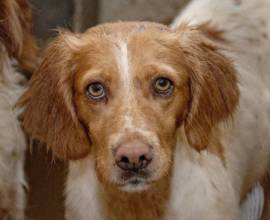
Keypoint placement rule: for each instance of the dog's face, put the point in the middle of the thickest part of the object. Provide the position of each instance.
(131, 97)
(122, 91)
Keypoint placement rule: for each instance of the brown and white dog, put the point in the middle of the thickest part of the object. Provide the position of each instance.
(159, 123)
(17, 58)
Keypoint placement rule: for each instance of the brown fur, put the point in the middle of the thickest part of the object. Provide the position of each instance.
(50, 105)
(150, 204)
(16, 32)
(212, 32)
(58, 112)
(16, 43)
(213, 86)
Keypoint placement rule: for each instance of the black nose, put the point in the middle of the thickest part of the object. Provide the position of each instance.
(133, 156)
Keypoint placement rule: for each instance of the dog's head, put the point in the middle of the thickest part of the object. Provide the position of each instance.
(16, 32)
(122, 92)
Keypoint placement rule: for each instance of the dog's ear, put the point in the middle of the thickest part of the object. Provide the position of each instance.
(28, 57)
(50, 115)
(16, 32)
(214, 91)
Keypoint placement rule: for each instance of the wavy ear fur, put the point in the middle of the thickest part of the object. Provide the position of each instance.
(213, 83)
(16, 32)
(50, 115)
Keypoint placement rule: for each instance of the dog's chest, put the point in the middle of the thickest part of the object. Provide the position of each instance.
(191, 195)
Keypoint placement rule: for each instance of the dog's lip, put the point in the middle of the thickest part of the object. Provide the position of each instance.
(133, 178)
(131, 175)
(134, 181)
(134, 185)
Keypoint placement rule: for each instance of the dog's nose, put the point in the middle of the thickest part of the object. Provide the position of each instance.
(133, 156)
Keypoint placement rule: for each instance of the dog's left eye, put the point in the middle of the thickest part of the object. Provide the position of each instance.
(163, 86)
(96, 91)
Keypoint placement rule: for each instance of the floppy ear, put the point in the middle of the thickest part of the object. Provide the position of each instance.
(213, 84)
(50, 115)
(16, 32)
(27, 58)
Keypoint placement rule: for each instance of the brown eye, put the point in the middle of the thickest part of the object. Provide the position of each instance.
(96, 91)
(163, 86)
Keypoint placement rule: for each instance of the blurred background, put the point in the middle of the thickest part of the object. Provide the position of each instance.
(46, 175)
(79, 15)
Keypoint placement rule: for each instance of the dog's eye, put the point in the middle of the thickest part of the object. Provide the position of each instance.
(163, 86)
(96, 91)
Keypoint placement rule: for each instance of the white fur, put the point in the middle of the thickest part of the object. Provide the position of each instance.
(123, 63)
(199, 186)
(126, 80)
(202, 187)
(252, 207)
(244, 27)
(12, 143)
(85, 184)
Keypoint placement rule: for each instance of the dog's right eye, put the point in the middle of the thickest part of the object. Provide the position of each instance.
(96, 91)
(163, 86)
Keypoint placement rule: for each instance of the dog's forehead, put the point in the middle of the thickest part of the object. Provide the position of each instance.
(127, 29)
(103, 43)
(132, 44)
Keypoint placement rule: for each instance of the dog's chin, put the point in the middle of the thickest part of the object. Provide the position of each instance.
(135, 185)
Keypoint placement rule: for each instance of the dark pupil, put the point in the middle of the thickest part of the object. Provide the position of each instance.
(96, 88)
(163, 82)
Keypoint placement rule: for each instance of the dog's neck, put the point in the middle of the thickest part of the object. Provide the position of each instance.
(193, 174)
(150, 204)
(101, 201)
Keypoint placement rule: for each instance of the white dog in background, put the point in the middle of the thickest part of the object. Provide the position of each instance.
(245, 27)
(17, 56)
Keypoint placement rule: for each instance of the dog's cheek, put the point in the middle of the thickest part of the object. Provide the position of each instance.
(103, 163)
(104, 159)
(164, 154)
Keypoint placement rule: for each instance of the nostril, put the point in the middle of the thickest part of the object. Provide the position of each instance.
(142, 158)
(124, 159)
(124, 163)
(144, 161)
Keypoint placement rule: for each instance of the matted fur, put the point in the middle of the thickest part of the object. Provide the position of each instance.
(17, 55)
(207, 136)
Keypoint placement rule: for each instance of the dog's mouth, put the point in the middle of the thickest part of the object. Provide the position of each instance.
(134, 181)
(135, 185)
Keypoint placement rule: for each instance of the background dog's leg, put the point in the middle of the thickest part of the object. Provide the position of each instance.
(252, 207)
(266, 211)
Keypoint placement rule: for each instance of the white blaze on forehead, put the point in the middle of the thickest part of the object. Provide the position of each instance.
(129, 98)
(122, 58)
(123, 61)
